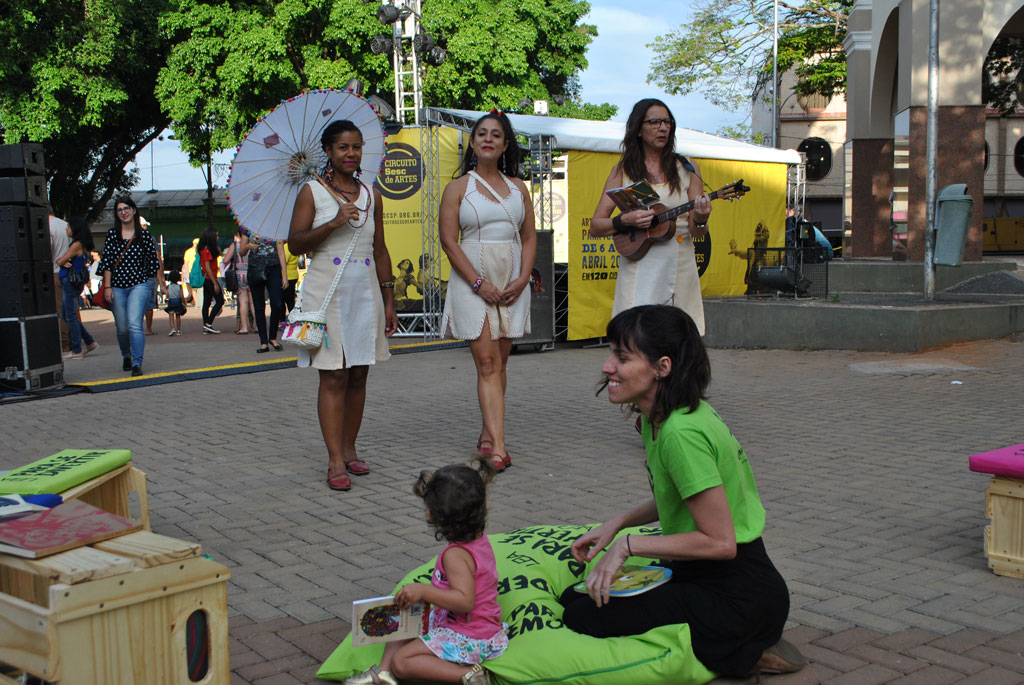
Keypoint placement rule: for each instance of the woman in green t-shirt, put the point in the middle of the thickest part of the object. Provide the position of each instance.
(723, 583)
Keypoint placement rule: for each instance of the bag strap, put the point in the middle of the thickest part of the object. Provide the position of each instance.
(123, 253)
(344, 260)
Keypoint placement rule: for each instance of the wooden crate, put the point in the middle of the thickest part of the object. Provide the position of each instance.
(112, 492)
(113, 613)
(1004, 538)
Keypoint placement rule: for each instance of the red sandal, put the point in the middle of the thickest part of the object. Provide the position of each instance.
(339, 482)
(357, 467)
(486, 451)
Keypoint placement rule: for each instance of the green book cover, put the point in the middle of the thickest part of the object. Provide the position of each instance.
(58, 472)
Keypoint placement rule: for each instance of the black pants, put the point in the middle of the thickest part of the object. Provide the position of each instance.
(259, 304)
(736, 609)
(211, 295)
(289, 295)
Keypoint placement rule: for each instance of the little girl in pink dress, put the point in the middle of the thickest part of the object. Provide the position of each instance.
(465, 622)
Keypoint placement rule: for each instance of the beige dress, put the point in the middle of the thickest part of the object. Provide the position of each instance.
(355, 314)
(667, 274)
(493, 246)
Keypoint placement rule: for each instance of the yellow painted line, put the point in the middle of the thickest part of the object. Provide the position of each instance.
(205, 369)
(243, 365)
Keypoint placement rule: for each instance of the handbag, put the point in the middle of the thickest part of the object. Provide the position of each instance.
(196, 277)
(78, 278)
(100, 298)
(231, 280)
(257, 274)
(305, 330)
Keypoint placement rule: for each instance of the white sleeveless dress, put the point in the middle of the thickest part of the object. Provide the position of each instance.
(493, 246)
(355, 314)
(667, 274)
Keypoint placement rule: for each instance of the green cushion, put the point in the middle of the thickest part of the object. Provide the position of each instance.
(56, 473)
(534, 568)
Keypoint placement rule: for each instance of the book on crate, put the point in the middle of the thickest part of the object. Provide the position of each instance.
(379, 619)
(633, 580)
(66, 526)
(15, 506)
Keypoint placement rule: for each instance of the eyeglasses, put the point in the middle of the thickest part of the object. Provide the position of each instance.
(657, 123)
(123, 209)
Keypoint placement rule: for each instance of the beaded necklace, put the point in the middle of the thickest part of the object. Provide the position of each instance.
(329, 177)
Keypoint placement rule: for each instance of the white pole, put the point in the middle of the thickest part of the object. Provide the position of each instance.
(931, 139)
(775, 78)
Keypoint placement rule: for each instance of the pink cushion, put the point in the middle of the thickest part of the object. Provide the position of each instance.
(1005, 461)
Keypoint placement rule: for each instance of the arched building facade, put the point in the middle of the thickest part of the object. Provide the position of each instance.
(887, 94)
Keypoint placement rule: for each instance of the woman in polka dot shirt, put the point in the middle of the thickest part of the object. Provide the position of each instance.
(130, 268)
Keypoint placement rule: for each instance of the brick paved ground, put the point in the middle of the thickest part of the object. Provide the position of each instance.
(861, 459)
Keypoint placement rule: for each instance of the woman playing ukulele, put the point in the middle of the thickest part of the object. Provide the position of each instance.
(667, 274)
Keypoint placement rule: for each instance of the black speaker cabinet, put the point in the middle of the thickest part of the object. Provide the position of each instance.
(24, 234)
(24, 159)
(27, 289)
(23, 190)
(30, 355)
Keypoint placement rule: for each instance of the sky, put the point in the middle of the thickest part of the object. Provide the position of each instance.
(619, 61)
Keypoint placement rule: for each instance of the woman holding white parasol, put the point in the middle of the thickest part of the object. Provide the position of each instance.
(337, 216)
(362, 308)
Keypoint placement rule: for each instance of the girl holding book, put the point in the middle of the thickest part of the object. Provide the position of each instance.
(723, 583)
(465, 621)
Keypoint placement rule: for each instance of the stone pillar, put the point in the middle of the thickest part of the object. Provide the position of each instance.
(872, 160)
(960, 159)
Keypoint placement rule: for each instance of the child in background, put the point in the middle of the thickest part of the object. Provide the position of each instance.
(465, 621)
(175, 302)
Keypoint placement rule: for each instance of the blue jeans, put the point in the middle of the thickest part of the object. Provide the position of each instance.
(129, 306)
(69, 312)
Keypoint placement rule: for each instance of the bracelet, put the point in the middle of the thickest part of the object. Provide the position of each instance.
(617, 224)
(628, 548)
(387, 284)
(700, 224)
(477, 283)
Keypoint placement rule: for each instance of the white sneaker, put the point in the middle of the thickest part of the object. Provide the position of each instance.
(207, 328)
(172, 333)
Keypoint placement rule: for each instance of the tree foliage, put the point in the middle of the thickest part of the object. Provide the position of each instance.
(1001, 72)
(725, 49)
(78, 77)
(231, 61)
(97, 80)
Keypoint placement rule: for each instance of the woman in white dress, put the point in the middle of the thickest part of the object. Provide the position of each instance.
(667, 274)
(362, 310)
(487, 230)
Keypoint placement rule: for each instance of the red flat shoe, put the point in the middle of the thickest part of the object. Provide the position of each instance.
(357, 467)
(486, 451)
(507, 461)
(339, 482)
(498, 463)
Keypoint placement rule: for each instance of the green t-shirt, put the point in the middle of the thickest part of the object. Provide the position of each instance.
(694, 452)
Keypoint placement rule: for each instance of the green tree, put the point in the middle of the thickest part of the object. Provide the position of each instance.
(231, 61)
(78, 77)
(725, 49)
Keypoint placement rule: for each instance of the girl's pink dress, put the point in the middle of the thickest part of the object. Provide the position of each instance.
(480, 634)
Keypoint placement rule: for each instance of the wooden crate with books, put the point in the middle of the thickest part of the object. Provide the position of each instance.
(131, 609)
(103, 478)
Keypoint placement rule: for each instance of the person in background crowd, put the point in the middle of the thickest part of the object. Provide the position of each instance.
(59, 243)
(175, 303)
(213, 293)
(269, 253)
(244, 320)
(130, 267)
(76, 258)
(292, 264)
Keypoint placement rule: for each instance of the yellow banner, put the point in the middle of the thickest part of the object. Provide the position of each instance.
(721, 255)
(400, 183)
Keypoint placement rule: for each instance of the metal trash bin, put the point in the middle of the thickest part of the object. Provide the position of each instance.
(953, 209)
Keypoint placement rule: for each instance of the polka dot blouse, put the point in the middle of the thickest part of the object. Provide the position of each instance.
(139, 263)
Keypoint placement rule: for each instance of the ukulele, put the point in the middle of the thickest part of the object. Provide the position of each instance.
(633, 243)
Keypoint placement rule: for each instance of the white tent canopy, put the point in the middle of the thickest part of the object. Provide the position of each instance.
(606, 136)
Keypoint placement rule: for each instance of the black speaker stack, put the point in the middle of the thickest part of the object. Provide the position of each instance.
(30, 351)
